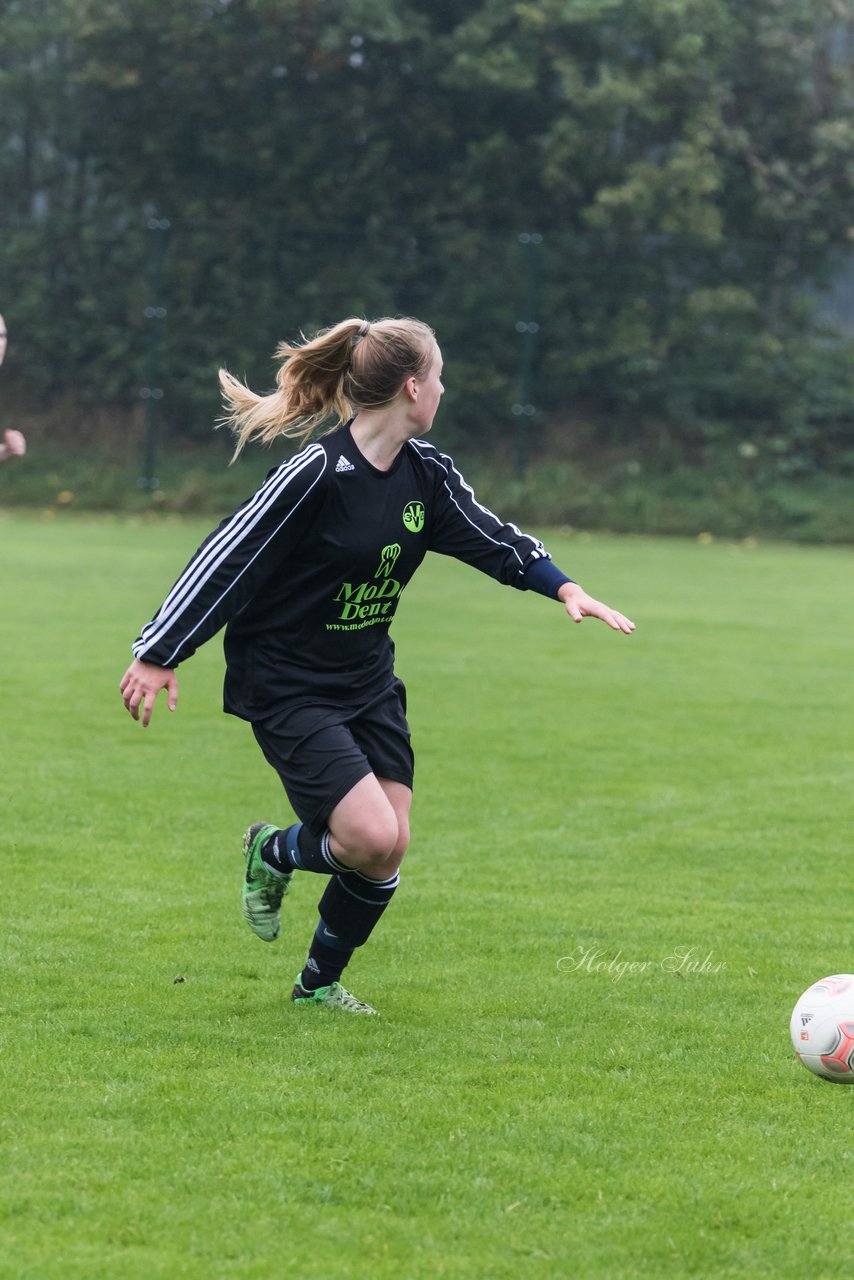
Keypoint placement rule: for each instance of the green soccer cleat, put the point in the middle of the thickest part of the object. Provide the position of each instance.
(263, 890)
(332, 997)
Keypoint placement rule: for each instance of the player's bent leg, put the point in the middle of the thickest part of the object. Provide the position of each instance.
(355, 899)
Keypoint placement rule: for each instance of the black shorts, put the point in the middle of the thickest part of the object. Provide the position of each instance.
(322, 750)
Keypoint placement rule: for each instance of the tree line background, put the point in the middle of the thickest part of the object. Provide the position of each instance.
(629, 221)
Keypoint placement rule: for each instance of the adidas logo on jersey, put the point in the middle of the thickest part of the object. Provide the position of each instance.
(343, 465)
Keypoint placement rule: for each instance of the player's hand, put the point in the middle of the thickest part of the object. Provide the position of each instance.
(141, 684)
(579, 605)
(14, 445)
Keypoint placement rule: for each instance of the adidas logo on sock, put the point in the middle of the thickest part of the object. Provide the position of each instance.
(343, 465)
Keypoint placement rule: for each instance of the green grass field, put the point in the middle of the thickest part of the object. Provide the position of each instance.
(679, 801)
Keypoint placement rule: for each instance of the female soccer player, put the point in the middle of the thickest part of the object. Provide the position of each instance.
(306, 576)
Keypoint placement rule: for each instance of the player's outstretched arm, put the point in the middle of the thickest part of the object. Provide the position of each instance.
(141, 684)
(579, 605)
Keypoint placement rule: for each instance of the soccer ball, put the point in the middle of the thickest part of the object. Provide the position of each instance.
(822, 1028)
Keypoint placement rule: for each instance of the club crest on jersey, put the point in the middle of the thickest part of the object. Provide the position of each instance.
(413, 516)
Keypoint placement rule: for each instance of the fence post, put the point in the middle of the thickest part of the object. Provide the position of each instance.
(527, 328)
(155, 314)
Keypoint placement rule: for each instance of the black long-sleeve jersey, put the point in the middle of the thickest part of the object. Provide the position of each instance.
(307, 574)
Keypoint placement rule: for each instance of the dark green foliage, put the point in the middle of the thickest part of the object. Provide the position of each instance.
(689, 165)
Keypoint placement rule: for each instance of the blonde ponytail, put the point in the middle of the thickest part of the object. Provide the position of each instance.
(354, 365)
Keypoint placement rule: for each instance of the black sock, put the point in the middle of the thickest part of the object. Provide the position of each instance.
(298, 849)
(350, 908)
(327, 959)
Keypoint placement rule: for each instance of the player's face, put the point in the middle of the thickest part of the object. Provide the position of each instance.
(430, 392)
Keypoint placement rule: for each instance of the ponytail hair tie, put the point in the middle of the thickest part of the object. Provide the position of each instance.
(361, 332)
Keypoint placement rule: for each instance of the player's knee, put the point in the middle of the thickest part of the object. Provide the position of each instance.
(381, 868)
(375, 839)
